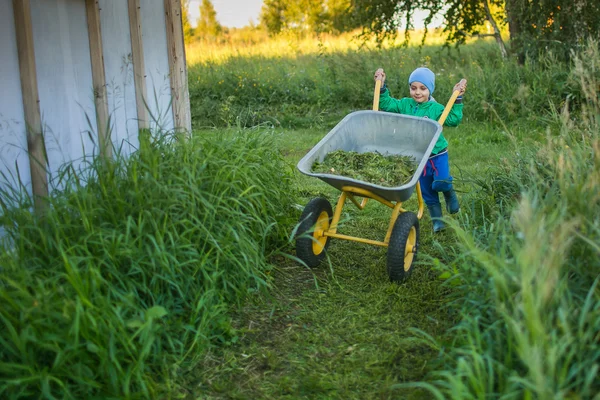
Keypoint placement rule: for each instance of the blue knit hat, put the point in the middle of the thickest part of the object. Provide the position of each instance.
(425, 76)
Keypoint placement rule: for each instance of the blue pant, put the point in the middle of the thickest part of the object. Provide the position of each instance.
(436, 178)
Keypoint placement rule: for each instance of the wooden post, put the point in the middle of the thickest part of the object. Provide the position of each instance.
(31, 103)
(177, 66)
(98, 77)
(137, 58)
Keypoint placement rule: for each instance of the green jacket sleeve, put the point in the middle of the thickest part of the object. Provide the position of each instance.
(455, 116)
(390, 104)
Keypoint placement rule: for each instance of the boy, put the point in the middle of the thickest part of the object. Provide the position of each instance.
(436, 176)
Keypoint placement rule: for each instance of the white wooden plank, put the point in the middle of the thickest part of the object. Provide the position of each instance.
(64, 73)
(157, 64)
(13, 135)
(118, 63)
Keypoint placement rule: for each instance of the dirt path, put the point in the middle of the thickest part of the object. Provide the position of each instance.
(340, 331)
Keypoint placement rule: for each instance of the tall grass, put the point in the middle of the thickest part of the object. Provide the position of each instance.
(308, 86)
(129, 276)
(251, 43)
(528, 281)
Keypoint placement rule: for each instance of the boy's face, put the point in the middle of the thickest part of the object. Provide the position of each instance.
(419, 92)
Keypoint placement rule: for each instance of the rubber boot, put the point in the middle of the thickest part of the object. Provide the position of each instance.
(435, 210)
(452, 205)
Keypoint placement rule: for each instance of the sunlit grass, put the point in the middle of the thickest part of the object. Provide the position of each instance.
(294, 45)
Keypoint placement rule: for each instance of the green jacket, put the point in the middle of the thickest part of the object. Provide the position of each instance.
(430, 109)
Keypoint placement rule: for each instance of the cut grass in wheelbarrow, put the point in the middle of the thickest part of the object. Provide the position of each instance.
(371, 167)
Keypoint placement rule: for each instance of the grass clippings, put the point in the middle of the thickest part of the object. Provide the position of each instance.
(371, 167)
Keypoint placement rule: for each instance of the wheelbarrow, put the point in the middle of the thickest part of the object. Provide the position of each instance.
(387, 134)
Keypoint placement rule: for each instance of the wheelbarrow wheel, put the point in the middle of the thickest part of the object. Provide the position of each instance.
(311, 243)
(403, 246)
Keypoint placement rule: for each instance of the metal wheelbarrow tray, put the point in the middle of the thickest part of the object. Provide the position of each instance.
(383, 132)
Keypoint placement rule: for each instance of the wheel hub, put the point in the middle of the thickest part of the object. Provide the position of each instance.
(410, 249)
(319, 237)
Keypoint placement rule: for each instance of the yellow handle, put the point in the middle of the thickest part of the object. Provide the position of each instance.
(449, 106)
(376, 95)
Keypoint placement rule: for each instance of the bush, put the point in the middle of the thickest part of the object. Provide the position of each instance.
(130, 274)
(528, 284)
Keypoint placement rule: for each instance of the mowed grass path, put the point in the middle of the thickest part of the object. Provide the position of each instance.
(342, 330)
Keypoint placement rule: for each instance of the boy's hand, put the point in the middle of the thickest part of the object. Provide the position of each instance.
(461, 87)
(380, 75)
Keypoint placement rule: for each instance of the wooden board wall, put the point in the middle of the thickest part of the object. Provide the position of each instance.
(78, 69)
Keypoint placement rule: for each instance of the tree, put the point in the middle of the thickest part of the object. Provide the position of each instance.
(208, 26)
(338, 14)
(466, 18)
(306, 15)
(272, 16)
(534, 26)
(558, 25)
(463, 18)
(188, 31)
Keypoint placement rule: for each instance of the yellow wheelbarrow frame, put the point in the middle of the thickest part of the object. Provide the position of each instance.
(326, 226)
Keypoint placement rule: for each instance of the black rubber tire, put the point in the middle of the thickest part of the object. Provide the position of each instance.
(304, 240)
(397, 245)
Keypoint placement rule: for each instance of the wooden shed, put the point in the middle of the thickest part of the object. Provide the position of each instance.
(80, 78)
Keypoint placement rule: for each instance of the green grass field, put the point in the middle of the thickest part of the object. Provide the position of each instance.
(173, 274)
